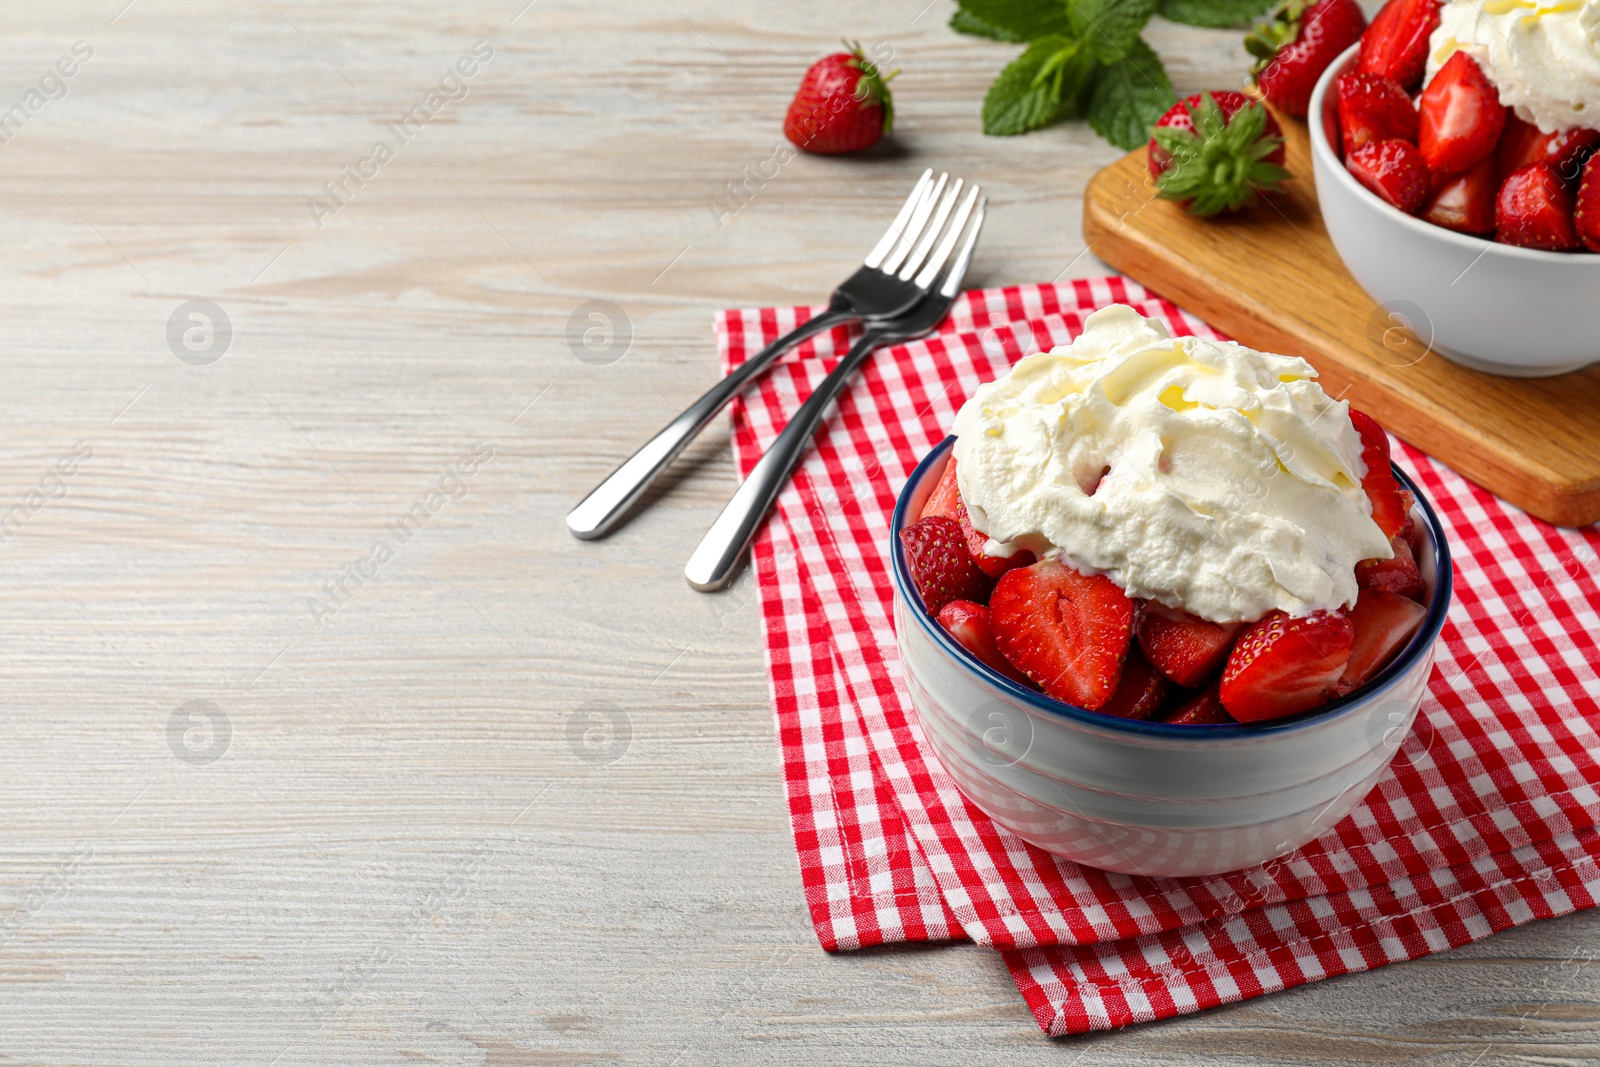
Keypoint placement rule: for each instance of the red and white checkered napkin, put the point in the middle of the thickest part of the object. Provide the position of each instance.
(1484, 821)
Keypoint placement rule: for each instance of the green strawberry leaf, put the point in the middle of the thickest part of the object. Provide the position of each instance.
(1129, 95)
(1023, 20)
(1216, 14)
(1029, 93)
(964, 21)
(1109, 26)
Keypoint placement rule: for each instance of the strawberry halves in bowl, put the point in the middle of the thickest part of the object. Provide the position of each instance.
(1118, 763)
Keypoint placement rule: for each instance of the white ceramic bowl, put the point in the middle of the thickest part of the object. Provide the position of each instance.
(1144, 797)
(1519, 312)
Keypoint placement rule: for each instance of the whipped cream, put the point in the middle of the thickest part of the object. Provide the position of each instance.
(1205, 475)
(1543, 55)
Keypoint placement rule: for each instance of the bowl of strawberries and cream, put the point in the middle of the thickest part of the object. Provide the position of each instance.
(1454, 152)
(1163, 606)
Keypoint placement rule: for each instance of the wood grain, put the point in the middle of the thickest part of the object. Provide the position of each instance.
(404, 853)
(1271, 279)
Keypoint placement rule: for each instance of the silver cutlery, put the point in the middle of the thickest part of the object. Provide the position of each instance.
(881, 288)
(716, 559)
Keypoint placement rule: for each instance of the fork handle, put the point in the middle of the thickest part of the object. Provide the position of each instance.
(713, 564)
(599, 512)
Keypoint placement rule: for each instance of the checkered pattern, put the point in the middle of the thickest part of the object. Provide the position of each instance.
(1482, 822)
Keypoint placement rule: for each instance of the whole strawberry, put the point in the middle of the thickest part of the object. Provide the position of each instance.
(842, 105)
(1216, 152)
(1297, 44)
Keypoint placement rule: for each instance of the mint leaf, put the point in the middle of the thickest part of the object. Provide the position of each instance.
(1109, 26)
(1129, 95)
(1217, 14)
(1023, 20)
(1074, 74)
(964, 21)
(1029, 92)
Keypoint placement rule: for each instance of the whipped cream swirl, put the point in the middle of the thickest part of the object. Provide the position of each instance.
(1542, 55)
(1205, 475)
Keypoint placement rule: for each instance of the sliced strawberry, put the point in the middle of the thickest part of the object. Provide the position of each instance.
(945, 501)
(1396, 44)
(1383, 623)
(1568, 150)
(1184, 647)
(1586, 214)
(940, 565)
(1465, 202)
(993, 566)
(1517, 144)
(1216, 152)
(1374, 441)
(968, 623)
(946, 495)
(1394, 170)
(1141, 692)
(1297, 44)
(1460, 118)
(1398, 574)
(1391, 505)
(1374, 108)
(1281, 666)
(1067, 631)
(1411, 534)
(1534, 210)
(1524, 144)
(1203, 708)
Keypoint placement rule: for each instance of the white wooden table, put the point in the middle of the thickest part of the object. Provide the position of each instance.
(274, 794)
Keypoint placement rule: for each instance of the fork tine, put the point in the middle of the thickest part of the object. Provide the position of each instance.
(919, 219)
(936, 262)
(931, 232)
(958, 269)
(898, 226)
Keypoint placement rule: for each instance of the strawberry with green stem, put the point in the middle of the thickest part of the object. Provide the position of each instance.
(1216, 153)
(1297, 44)
(843, 105)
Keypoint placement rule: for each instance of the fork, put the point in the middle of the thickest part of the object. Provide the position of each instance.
(714, 562)
(881, 288)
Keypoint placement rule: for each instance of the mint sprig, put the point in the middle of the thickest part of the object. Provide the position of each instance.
(1085, 58)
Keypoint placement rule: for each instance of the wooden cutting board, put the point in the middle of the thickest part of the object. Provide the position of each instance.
(1271, 279)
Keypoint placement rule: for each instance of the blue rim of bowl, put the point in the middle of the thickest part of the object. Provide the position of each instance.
(1469, 241)
(1419, 645)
